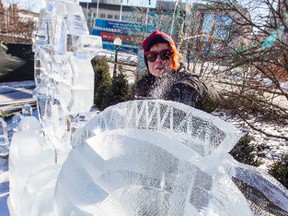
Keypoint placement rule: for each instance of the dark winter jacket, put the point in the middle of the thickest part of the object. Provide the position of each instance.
(180, 86)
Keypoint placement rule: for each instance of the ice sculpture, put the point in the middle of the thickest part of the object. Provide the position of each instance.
(64, 90)
(27, 110)
(158, 158)
(4, 142)
(27, 158)
(147, 157)
(63, 50)
(63, 73)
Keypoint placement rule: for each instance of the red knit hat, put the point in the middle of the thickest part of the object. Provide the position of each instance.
(156, 37)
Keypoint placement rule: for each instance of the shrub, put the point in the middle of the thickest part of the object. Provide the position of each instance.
(118, 92)
(245, 153)
(103, 80)
(279, 170)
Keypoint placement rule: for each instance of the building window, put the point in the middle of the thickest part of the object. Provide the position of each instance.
(110, 16)
(124, 17)
(103, 16)
(220, 23)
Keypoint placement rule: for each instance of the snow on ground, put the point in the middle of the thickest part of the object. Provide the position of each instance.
(272, 148)
(6, 87)
(284, 85)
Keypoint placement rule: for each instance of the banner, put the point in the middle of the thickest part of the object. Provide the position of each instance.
(131, 34)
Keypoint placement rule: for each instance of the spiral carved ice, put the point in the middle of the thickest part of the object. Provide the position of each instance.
(156, 157)
(143, 157)
(150, 158)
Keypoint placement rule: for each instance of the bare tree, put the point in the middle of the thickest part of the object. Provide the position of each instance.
(16, 26)
(252, 62)
(241, 46)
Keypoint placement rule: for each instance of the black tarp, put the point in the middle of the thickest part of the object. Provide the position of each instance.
(16, 62)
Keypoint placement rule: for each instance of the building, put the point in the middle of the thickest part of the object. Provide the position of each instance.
(197, 28)
(16, 26)
(133, 23)
(214, 29)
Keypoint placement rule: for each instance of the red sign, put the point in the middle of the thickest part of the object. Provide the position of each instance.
(124, 38)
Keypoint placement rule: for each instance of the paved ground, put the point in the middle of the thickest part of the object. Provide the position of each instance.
(13, 101)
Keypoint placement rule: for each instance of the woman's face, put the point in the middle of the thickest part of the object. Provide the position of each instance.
(160, 67)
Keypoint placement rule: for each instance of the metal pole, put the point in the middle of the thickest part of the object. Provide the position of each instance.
(121, 7)
(97, 9)
(173, 17)
(87, 10)
(115, 61)
(146, 20)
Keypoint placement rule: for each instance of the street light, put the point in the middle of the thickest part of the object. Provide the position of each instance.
(117, 43)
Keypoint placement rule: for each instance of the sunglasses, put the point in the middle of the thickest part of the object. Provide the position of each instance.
(164, 55)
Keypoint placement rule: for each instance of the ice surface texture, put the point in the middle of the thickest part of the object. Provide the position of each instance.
(63, 49)
(27, 161)
(150, 157)
(64, 75)
(4, 141)
(64, 80)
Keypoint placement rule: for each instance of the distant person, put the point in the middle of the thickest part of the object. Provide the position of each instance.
(168, 79)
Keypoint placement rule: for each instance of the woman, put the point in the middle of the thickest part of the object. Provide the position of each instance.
(167, 79)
